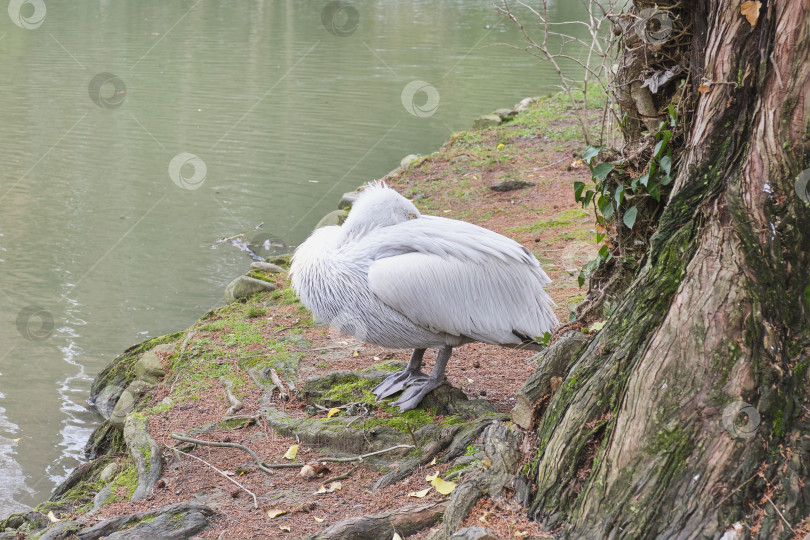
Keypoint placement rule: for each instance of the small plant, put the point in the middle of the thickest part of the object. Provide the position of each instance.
(254, 311)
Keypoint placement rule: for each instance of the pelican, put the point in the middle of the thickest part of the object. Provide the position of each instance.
(392, 277)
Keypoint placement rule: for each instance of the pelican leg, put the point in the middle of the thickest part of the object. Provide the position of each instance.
(396, 382)
(416, 391)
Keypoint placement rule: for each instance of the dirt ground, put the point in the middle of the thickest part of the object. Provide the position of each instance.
(453, 183)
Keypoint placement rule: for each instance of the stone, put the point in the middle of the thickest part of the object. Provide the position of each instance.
(525, 104)
(511, 185)
(126, 404)
(348, 198)
(266, 267)
(108, 472)
(145, 453)
(335, 217)
(244, 287)
(409, 161)
(505, 114)
(473, 533)
(149, 368)
(487, 121)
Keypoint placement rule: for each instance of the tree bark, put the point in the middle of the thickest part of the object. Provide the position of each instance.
(635, 443)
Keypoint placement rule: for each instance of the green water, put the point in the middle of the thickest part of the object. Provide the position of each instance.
(282, 114)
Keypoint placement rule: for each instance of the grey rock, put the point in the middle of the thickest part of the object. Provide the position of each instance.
(486, 121)
(126, 403)
(108, 472)
(145, 453)
(335, 217)
(106, 400)
(505, 114)
(149, 368)
(266, 267)
(100, 498)
(511, 185)
(62, 530)
(525, 103)
(348, 198)
(409, 161)
(176, 521)
(244, 286)
(473, 533)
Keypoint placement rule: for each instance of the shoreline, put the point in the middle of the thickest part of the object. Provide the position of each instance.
(242, 354)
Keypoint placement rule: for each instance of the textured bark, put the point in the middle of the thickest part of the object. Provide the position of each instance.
(719, 314)
(403, 521)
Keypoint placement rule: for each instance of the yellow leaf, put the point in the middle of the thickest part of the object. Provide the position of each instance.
(334, 486)
(442, 486)
(284, 528)
(521, 534)
(273, 513)
(17, 440)
(751, 12)
(703, 88)
(318, 520)
(396, 537)
(292, 452)
(419, 494)
(431, 477)
(483, 518)
(433, 462)
(501, 145)
(355, 353)
(376, 358)
(52, 517)
(332, 412)
(486, 463)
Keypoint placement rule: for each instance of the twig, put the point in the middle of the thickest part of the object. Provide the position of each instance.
(256, 228)
(243, 488)
(413, 437)
(180, 356)
(282, 391)
(780, 514)
(255, 457)
(236, 405)
(343, 476)
(344, 406)
(364, 456)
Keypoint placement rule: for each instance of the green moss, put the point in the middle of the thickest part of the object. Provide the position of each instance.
(261, 276)
(356, 389)
(126, 480)
(414, 419)
(453, 420)
(390, 365)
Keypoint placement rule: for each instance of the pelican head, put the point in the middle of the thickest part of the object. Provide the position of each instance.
(378, 206)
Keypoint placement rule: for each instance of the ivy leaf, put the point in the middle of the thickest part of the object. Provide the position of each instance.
(629, 217)
(602, 170)
(655, 191)
(665, 164)
(644, 179)
(590, 153)
(578, 187)
(666, 180)
(588, 196)
(606, 207)
(619, 195)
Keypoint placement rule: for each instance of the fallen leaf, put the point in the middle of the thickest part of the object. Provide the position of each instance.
(521, 534)
(16, 440)
(576, 164)
(433, 462)
(318, 520)
(703, 88)
(291, 452)
(555, 383)
(396, 537)
(332, 412)
(431, 477)
(334, 486)
(484, 517)
(595, 327)
(486, 463)
(442, 486)
(419, 494)
(751, 11)
(355, 353)
(284, 528)
(376, 358)
(53, 518)
(501, 145)
(273, 513)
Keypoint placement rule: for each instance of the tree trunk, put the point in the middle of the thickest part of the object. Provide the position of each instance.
(688, 412)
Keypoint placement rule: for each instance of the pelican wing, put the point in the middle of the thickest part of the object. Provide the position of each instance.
(457, 278)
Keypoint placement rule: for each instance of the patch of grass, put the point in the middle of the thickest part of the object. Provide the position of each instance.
(254, 311)
(125, 481)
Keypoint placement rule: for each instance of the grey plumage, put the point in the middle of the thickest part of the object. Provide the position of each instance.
(394, 278)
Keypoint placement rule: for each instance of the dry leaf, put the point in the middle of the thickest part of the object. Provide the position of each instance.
(484, 517)
(521, 534)
(313, 469)
(442, 486)
(703, 88)
(355, 353)
(291, 452)
(53, 518)
(273, 513)
(332, 412)
(751, 11)
(16, 440)
(431, 477)
(318, 520)
(284, 528)
(376, 358)
(486, 463)
(396, 537)
(433, 462)
(419, 494)
(555, 383)
(334, 486)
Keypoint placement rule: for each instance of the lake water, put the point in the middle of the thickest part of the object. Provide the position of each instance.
(136, 134)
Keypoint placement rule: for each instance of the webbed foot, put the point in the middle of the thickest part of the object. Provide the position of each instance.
(414, 394)
(396, 382)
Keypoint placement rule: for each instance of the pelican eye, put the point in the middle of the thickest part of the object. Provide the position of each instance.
(412, 216)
